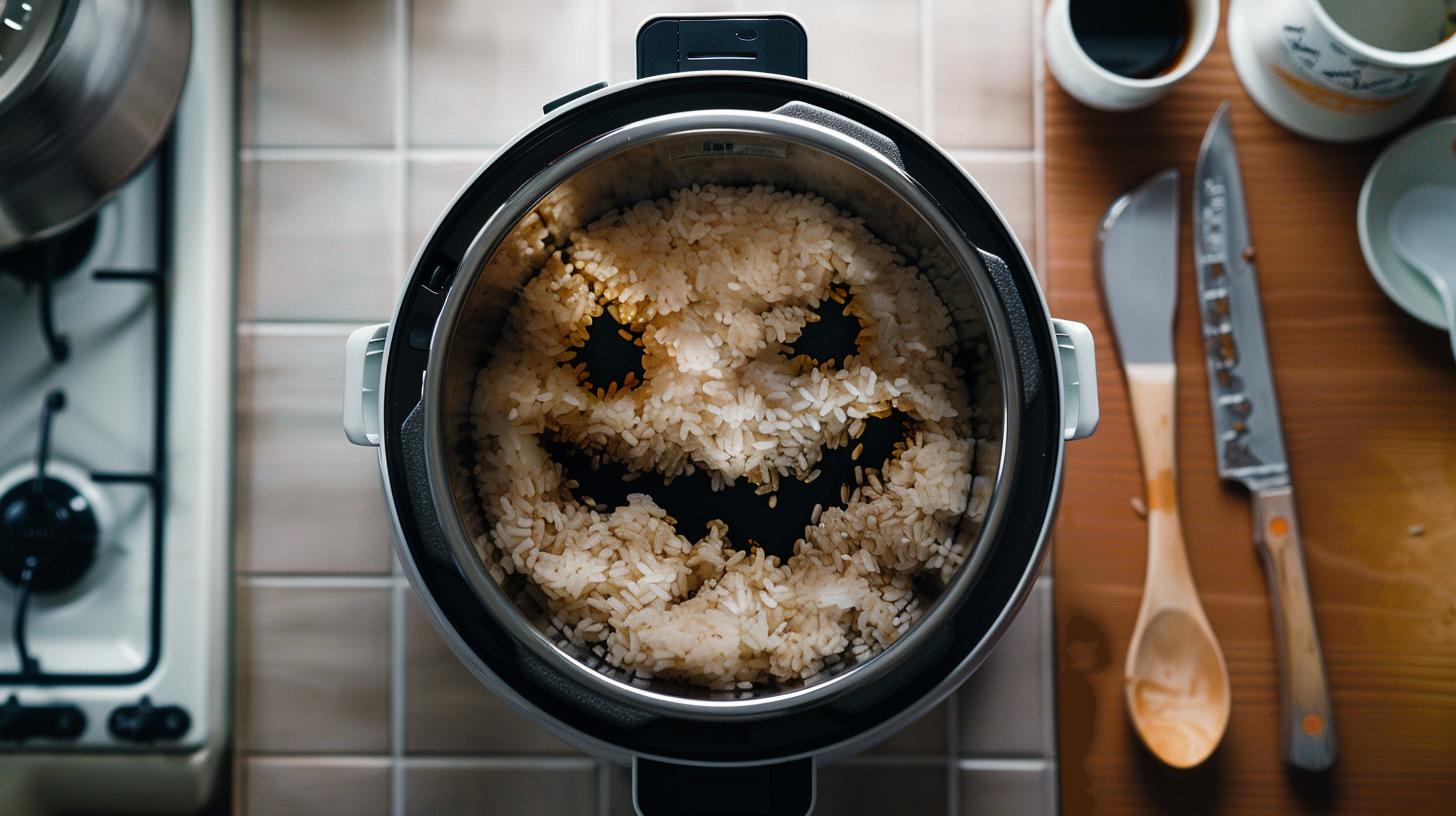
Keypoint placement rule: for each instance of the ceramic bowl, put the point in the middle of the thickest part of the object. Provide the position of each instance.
(1425, 155)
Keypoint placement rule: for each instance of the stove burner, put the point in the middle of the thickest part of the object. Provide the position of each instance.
(48, 531)
(46, 261)
(55, 257)
(52, 532)
(48, 534)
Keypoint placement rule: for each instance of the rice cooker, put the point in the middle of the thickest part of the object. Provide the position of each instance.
(718, 101)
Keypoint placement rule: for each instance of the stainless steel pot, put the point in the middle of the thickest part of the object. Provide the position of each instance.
(796, 147)
(409, 385)
(88, 89)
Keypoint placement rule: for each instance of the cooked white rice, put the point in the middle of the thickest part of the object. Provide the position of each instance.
(718, 281)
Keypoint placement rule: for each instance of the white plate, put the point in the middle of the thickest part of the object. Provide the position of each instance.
(1425, 155)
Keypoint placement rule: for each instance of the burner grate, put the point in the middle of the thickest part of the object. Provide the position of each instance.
(153, 480)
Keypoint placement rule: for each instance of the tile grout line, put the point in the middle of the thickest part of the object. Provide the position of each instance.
(402, 250)
(298, 581)
(1038, 130)
(1004, 764)
(604, 42)
(1007, 155)
(480, 154)
(927, 68)
(1049, 694)
(301, 328)
(501, 762)
(953, 751)
(1048, 666)
(439, 761)
(397, 624)
(604, 788)
(1039, 205)
(241, 602)
(340, 153)
(398, 633)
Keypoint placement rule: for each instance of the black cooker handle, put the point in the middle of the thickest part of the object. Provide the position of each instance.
(669, 789)
(774, 44)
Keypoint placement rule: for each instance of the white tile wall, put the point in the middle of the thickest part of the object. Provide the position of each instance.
(293, 463)
(321, 73)
(481, 69)
(320, 244)
(361, 119)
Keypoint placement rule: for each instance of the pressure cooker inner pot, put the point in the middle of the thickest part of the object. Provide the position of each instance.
(542, 467)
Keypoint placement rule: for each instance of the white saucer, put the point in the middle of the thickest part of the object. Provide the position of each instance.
(1425, 155)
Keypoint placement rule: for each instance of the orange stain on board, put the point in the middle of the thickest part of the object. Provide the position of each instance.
(1163, 491)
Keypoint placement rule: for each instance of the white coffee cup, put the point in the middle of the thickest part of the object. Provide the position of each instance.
(1093, 85)
(1341, 70)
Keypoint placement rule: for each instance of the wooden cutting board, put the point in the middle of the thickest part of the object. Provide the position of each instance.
(1368, 396)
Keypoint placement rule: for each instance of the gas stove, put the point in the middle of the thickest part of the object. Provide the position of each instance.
(115, 474)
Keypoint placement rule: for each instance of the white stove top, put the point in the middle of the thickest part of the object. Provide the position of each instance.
(99, 648)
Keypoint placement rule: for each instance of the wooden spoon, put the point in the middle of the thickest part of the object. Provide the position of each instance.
(1176, 681)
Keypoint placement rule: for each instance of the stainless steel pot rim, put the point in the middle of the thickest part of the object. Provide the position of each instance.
(96, 100)
(718, 123)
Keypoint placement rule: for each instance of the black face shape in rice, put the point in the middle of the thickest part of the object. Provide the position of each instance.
(832, 333)
(692, 503)
(612, 354)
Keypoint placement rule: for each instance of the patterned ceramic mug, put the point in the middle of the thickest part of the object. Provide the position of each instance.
(1342, 70)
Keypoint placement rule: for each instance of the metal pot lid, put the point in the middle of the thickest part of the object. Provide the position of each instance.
(28, 31)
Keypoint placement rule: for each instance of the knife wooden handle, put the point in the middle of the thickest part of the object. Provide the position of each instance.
(1308, 729)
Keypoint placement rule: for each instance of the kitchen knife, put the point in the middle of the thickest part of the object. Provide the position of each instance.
(1249, 439)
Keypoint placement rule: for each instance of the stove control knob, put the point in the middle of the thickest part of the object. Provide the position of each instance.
(21, 722)
(145, 722)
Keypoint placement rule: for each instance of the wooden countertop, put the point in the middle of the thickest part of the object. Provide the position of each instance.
(1368, 396)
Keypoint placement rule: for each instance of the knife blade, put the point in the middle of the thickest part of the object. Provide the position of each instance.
(1249, 437)
(1137, 265)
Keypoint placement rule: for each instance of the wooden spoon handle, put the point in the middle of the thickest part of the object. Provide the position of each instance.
(1308, 730)
(1151, 390)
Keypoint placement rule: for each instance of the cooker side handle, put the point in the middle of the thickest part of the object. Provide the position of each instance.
(873, 139)
(1080, 410)
(363, 365)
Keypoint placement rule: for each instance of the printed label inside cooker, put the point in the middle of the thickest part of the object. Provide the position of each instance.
(693, 150)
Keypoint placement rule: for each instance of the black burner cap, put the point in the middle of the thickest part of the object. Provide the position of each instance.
(29, 262)
(56, 527)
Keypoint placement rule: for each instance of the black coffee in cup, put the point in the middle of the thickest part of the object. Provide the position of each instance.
(1138, 39)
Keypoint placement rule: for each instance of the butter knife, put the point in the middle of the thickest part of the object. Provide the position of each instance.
(1250, 440)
